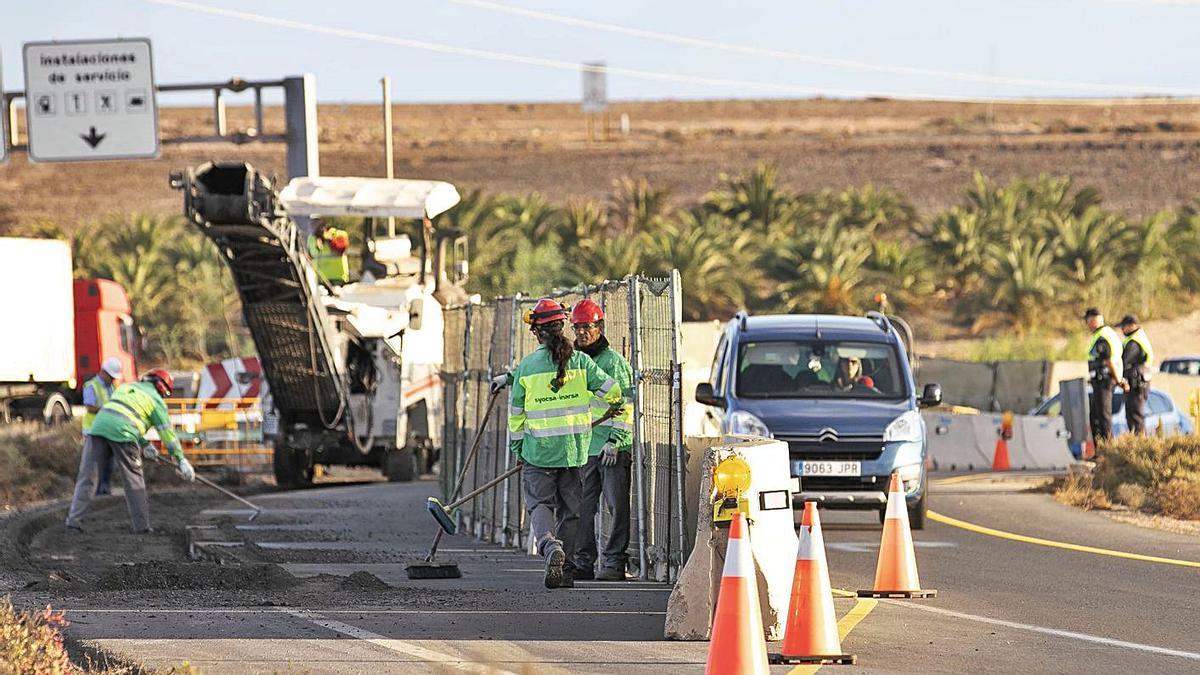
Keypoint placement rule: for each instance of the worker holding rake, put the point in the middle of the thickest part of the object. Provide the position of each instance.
(550, 424)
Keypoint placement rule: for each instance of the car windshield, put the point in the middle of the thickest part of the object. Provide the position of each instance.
(794, 369)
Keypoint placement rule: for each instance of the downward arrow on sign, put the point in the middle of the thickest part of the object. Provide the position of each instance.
(93, 139)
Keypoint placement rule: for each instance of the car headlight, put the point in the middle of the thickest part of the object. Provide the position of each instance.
(742, 422)
(907, 427)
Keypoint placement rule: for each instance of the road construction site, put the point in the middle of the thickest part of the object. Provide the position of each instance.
(317, 583)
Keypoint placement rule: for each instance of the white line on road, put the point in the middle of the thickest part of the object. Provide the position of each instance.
(1095, 639)
(398, 646)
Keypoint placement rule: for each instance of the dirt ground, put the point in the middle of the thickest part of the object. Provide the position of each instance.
(1140, 156)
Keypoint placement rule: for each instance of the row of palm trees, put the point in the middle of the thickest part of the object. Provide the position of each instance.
(1009, 256)
(1017, 256)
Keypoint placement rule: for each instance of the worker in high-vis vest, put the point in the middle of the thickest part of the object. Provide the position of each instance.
(327, 247)
(550, 428)
(96, 393)
(119, 432)
(1137, 356)
(607, 471)
(1104, 372)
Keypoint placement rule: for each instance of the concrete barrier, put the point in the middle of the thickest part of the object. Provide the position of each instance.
(968, 442)
(772, 541)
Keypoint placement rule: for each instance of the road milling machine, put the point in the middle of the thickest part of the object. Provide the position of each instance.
(353, 369)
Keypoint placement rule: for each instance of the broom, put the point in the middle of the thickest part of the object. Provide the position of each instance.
(430, 569)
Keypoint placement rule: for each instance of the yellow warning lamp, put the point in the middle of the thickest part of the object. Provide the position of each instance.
(1006, 426)
(731, 481)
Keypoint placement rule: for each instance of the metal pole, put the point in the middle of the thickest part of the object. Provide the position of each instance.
(677, 416)
(300, 116)
(388, 158)
(258, 112)
(219, 124)
(10, 109)
(639, 449)
(466, 392)
(505, 502)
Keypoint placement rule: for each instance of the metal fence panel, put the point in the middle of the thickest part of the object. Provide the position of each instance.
(642, 323)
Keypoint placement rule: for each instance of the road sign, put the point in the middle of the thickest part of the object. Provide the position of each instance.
(595, 87)
(89, 100)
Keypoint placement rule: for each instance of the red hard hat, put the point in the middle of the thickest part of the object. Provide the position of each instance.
(586, 311)
(162, 380)
(546, 311)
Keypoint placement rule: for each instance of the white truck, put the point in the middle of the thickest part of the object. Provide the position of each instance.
(352, 369)
(57, 330)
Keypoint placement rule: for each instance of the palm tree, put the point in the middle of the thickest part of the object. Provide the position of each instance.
(754, 198)
(823, 271)
(635, 206)
(958, 241)
(715, 261)
(901, 270)
(1084, 244)
(1022, 284)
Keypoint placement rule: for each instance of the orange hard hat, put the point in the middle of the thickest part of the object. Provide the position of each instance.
(547, 310)
(162, 380)
(586, 311)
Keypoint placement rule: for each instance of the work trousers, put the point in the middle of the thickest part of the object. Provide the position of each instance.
(125, 456)
(552, 500)
(1101, 410)
(613, 483)
(1135, 409)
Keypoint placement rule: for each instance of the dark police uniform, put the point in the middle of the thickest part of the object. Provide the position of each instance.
(1136, 357)
(1105, 345)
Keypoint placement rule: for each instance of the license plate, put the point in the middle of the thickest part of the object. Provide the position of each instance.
(828, 468)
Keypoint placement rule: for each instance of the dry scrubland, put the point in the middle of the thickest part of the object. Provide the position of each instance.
(1139, 156)
(1150, 475)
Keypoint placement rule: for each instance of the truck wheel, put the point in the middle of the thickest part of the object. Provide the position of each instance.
(916, 513)
(57, 412)
(400, 465)
(293, 467)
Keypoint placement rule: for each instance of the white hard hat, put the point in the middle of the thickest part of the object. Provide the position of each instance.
(112, 366)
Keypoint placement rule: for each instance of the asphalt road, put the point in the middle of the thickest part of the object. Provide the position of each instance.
(1002, 605)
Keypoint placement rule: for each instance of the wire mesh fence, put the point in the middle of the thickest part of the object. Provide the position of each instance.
(642, 317)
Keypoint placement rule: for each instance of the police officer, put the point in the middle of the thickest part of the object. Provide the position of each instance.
(1104, 372)
(1138, 358)
(607, 470)
(550, 427)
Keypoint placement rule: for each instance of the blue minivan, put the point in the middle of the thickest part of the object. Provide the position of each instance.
(839, 391)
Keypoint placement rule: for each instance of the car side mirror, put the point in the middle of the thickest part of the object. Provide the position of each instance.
(706, 395)
(932, 396)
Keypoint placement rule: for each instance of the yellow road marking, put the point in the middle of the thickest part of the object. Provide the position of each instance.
(954, 480)
(846, 624)
(962, 524)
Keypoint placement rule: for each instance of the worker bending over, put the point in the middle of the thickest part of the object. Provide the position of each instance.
(549, 421)
(118, 434)
(607, 470)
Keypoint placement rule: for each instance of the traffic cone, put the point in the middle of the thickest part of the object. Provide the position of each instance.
(1000, 459)
(896, 573)
(812, 632)
(1005, 432)
(738, 643)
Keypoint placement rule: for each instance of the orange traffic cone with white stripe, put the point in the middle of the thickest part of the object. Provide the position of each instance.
(896, 573)
(738, 645)
(812, 632)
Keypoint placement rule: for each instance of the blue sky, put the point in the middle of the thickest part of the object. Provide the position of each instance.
(1149, 45)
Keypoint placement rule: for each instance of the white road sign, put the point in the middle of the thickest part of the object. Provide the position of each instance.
(595, 87)
(91, 99)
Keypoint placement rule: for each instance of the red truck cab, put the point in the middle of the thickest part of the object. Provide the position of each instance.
(103, 328)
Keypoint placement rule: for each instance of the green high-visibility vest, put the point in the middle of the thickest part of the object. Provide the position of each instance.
(1097, 365)
(331, 266)
(131, 411)
(618, 429)
(101, 393)
(1139, 336)
(553, 428)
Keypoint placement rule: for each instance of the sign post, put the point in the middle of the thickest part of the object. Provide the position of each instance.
(90, 100)
(3, 118)
(595, 95)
